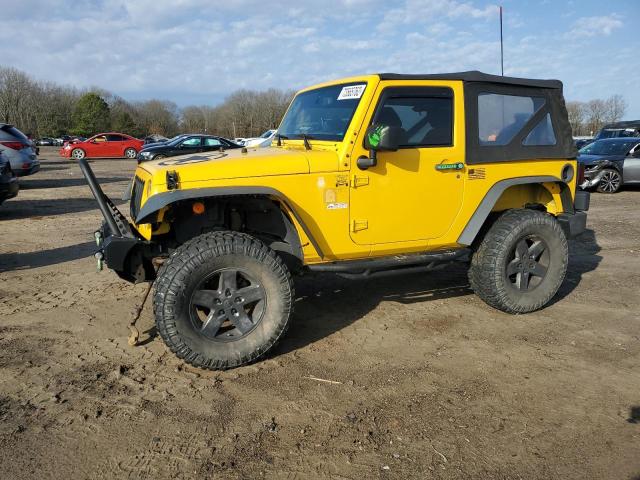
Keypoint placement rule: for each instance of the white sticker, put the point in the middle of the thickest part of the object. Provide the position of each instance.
(351, 92)
(336, 206)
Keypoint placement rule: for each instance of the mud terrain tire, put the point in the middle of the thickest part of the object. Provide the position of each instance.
(521, 261)
(222, 300)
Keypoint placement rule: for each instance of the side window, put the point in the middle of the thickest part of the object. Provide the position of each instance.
(501, 117)
(542, 133)
(212, 142)
(100, 139)
(425, 121)
(115, 138)
(193, 142)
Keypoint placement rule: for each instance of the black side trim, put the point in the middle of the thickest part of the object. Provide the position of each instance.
(484, 209)
(372, 265)
(155, 203)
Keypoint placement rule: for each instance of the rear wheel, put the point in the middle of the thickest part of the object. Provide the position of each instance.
(78, 153)
(130, 153)
(610, 181)
(521, 262)
(222, 300)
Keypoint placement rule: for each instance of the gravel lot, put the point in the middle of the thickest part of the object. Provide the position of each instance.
(426, 380)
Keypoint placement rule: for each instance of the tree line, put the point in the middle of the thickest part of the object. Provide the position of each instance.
(586, 118)
(45, 109)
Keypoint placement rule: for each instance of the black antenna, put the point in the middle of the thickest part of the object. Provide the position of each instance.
(501, 47)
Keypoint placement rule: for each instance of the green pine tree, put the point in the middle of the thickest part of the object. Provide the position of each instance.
(123, 122)
(91, 115)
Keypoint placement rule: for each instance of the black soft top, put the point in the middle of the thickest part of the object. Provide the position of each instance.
(475, 76)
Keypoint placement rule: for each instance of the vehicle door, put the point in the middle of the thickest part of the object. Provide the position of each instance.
(115, 145)
(414, 193)
(97, 146)
(188, 145)
(631, 168)
(210, 144)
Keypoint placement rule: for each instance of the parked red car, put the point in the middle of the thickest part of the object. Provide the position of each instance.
(103, 145)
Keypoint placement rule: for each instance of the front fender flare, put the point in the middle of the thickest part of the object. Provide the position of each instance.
(154, 204)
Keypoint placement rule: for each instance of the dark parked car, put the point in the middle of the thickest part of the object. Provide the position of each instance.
(45, 142)
(582, 141)
(611, 163)
(19, 150)
(629, 128)
(155, 138)
(185, 144)
(8, 181)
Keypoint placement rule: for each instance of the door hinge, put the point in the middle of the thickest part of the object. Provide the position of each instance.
(360, 181)
(358, 225)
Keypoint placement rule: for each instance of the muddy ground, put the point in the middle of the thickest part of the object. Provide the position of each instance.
(427, 381)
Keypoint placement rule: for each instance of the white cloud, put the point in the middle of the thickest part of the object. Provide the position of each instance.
(203, 49)
(596, 26)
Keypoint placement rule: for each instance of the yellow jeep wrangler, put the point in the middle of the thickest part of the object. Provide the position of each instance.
(366, 175)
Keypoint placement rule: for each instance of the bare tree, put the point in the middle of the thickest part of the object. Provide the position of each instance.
(576, 112)
(616, 106)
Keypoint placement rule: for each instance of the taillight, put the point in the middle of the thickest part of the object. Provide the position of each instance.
(580, 178)
(14, 145)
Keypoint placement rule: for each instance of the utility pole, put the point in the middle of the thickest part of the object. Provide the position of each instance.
(501, 46)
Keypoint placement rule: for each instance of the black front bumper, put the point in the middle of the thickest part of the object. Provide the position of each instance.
(119, 244)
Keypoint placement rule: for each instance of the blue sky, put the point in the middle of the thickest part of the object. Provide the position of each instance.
(198, 51)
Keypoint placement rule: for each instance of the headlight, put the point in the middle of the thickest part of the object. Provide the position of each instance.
(67, 147)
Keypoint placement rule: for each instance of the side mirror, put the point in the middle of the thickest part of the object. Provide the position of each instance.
(379, 138)
(383, 138)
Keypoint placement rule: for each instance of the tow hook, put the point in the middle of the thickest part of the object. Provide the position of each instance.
(98, 236)
(100, 260)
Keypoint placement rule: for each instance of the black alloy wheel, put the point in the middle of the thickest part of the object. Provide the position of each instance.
(528, 264)
(227, 305)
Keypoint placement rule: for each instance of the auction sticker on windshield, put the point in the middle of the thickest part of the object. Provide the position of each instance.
(350, 92)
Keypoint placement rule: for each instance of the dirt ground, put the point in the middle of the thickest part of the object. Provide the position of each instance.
(426, 380)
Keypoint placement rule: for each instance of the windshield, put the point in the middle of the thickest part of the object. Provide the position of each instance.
(323, 113)
(608, 148)
(267, 134)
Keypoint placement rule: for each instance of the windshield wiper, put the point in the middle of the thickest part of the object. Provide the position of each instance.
(280, 138)
(305, 139)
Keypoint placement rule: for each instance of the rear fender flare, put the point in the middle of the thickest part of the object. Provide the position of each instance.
(479, 217)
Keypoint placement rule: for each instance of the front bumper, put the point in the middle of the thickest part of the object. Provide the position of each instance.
(119, 244)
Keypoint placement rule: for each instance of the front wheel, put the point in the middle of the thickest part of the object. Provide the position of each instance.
(222, 300)
(78, 153)
(610, 181)
(521, 261)
(130, 153)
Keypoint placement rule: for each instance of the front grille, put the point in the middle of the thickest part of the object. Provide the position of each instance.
(136, 197)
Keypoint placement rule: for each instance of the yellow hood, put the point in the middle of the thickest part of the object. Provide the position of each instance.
(258, 162)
